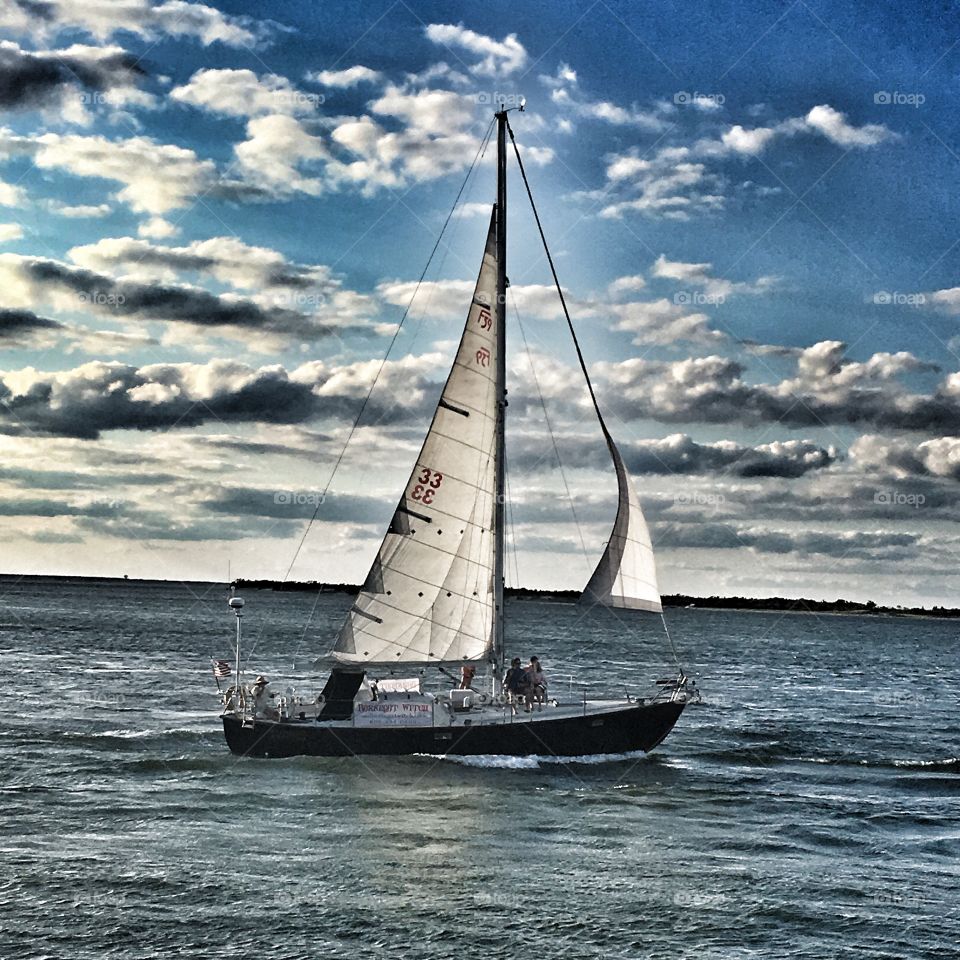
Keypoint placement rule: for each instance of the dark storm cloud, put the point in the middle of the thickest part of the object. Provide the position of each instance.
(38, 479)
(50, 507)
(91, 291)
(98, 396)
(828, 390)
(155, 301)
(680, 454)
(14, 323)
(722, 536)
(38, 79)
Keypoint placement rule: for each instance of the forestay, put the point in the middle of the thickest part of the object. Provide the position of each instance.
(429, 595)
(626, 575)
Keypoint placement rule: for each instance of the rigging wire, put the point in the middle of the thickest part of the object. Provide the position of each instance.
(553, 439)
(396, 334)
(573, 334)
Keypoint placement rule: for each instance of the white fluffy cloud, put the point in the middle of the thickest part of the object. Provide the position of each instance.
(676, 181)
(670, 185)
(497, 57)
(349, 77)
(242, 93)
(276, 148)
(822, 120)
(155, 177)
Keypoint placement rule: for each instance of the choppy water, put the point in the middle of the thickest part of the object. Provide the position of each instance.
(808, 809)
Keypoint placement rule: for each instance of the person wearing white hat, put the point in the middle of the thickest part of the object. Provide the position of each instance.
(263, 699)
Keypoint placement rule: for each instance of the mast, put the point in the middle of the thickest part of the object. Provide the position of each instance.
(501, 387)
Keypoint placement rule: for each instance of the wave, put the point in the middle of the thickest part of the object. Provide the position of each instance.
(145, 734)
(949, 765)
(537, 761)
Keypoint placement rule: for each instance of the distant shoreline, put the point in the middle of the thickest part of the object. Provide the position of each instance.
(777, 604)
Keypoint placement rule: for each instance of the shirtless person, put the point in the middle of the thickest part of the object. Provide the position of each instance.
(538, 683)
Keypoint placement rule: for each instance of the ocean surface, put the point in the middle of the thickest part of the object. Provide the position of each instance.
(810, 807)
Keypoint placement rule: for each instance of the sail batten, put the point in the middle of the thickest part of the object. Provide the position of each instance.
(626, 576)
(429, 596)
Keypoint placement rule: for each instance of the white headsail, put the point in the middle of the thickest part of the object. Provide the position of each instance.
(626, 575)
(429, 596)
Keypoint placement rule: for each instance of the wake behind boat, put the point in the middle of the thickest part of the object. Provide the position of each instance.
(433, 599)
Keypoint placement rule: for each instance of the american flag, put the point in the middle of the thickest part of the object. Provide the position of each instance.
(221, 668)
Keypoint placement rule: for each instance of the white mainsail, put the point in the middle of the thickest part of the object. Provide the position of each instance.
(429, 596)
(626, 575)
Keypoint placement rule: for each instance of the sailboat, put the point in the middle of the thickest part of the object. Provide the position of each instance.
(433, 600)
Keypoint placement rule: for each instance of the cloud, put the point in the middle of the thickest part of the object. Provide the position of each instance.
(345, 78)
(11, 195)
(844, 545)
(679, 454)
(155, 177)
(31, 280)
(146, 18)
(828, 389)
(498, 57)
(565, 92)
(100, 396)
(226, 259)
(241, 93)
(10, 231)
(676, 182)
(79, 211)
(157, 228)
(434, 140)
(833, 125)
(714, 289)
(662, 321)
(822, 120)
(946, 300)
(53, 79)
(669, 185)
(274, 151)
(626, 285)
(900, 458)
(19, 328)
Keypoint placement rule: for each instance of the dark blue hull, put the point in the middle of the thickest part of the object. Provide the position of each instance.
(634, 727)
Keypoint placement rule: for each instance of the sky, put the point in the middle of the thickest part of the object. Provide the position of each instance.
(213, 218)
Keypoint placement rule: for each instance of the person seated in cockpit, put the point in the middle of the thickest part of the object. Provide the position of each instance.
(263, 699)
(517, 685)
